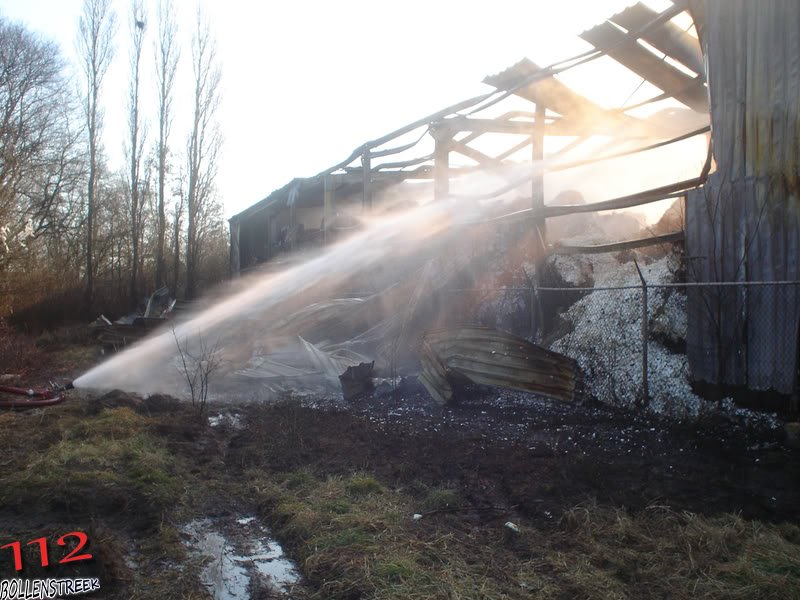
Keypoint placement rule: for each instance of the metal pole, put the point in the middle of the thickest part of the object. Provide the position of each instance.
(537, 183)
(327, 206)
(235, 265)
(539, 221)
(645, 383)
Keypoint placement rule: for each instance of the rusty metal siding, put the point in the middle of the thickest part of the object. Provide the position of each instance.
(744, 224)
(753, 55)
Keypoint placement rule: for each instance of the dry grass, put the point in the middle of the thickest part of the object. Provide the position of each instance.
(609, 553)
(353, 544)
(356, 538)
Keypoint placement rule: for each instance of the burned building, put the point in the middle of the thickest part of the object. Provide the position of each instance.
(741, 219)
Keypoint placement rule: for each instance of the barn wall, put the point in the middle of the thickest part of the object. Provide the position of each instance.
(744, 224)
(743, 335)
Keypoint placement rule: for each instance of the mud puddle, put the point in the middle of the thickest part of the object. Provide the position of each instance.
(242, 560)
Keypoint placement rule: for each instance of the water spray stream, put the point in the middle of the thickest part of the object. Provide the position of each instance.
(386, 243)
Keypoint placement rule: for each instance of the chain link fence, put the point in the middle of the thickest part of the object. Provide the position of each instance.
(737, 333)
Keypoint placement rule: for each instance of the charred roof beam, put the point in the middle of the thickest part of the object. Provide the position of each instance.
(628, 52)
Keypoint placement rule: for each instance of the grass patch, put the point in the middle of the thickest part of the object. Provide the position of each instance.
(362, 485)
(395, 572)
(441, 499)
(366, 545)
(131, 474)
(299, 479)
(107, 472)
(609, 553)
(354, 536)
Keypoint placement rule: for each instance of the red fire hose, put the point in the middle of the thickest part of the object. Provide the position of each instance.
(36, 398)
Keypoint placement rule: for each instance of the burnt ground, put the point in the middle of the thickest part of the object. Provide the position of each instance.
(608, 503)
(535, 456)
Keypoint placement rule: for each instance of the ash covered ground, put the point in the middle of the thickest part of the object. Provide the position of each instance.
(730, 459)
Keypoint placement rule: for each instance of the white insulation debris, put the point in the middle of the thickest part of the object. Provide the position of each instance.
(606, 340)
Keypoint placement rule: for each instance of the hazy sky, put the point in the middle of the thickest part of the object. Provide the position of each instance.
(305, 82)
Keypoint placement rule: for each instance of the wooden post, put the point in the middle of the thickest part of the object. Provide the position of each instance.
(366, 170)
(441, 163)
(645, 382)
(539, 221)
(327, 206)
(235, 256)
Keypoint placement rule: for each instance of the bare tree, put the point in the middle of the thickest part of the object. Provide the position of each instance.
(41, 168)
(167, 54)
(96, 32)
(198, 366)
(38, 146)
(177, 225)
(203, 147)
(136, 140)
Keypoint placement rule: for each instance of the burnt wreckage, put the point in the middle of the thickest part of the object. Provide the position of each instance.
(411, 319)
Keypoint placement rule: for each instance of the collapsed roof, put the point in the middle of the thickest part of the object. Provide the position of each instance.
(649, 44)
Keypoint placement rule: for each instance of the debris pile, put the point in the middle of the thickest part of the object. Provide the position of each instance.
(133, 327)
(605, 336)
(603, 333)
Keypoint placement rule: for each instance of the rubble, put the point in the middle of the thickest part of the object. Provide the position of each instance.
(604, 337)
(357, 381)
(133, 327)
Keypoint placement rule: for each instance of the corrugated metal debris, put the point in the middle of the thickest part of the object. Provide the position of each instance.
(668, 38)
(131, 328)
(491, 357)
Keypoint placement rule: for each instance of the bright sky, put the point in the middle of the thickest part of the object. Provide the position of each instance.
(307, 81)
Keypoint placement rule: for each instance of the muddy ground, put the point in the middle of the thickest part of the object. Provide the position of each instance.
(601, 503)
(517, 450)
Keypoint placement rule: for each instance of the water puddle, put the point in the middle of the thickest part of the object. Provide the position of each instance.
(229, 420)
(243, 561)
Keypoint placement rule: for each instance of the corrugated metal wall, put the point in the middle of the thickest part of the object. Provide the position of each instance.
(744, 224)
(744, 335)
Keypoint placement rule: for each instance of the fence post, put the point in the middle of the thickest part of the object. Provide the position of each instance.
(645, 384)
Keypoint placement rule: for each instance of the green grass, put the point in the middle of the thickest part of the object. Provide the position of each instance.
(441, 499)
(362, 485)
(104, 462)
(109, 473)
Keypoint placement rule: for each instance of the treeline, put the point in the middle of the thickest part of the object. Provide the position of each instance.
(76, 237)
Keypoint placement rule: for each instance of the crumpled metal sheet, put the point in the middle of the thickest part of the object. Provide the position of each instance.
(491, 357)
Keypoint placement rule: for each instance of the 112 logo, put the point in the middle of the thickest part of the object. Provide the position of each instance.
(44, 555)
